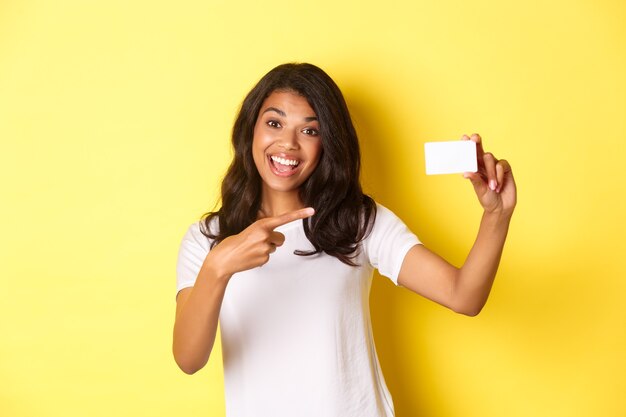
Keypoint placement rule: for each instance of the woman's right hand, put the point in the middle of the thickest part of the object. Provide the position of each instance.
(253, 246)
(198, 307)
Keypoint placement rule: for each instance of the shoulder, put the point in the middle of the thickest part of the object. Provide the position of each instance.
(388, 243)
(386, 224)
(197, 233)
(208, 225)
(384, 215)
(194, 247)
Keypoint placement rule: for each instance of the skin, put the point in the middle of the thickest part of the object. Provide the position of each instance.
(285, 126)
(465, 290)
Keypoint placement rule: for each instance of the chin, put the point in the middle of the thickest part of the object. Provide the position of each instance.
(283, 188)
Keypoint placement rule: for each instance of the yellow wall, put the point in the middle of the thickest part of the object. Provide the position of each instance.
(114, 126)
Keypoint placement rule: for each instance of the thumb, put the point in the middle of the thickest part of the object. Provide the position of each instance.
(477, 181)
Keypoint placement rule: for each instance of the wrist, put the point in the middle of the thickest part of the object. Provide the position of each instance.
(215, 270)
(497, 210)
(498, 216)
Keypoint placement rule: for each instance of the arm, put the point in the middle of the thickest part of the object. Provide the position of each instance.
(465, 290)
(197, 314)
(198, 307)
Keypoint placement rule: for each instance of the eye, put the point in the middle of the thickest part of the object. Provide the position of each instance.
(273, 123)
(310, 131)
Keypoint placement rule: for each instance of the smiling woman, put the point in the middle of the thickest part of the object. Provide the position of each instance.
(296, 112)
(286, 264)
(286, 147)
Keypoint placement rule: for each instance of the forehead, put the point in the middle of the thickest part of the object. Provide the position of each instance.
(289, 102)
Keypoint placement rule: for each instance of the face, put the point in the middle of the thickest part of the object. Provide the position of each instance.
(286, 146)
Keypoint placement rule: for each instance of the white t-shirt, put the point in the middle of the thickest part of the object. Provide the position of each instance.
(296, 332)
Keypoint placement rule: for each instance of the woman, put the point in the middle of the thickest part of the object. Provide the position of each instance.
(286, 264)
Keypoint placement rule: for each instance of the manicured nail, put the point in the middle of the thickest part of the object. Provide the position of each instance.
(493, 185)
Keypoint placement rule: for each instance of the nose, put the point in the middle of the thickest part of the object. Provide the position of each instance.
(288, 140)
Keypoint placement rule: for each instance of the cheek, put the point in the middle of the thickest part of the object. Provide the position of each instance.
(316, 150)
(258, 153)
(260, 139)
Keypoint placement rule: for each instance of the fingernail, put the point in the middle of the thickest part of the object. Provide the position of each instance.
(493, 185)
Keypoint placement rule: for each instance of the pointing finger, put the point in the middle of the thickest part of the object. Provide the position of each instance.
(273, 222)
(277, 238)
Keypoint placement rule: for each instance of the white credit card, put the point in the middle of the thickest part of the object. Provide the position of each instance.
(450, 157)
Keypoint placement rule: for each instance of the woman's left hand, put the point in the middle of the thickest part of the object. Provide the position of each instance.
(493, 182)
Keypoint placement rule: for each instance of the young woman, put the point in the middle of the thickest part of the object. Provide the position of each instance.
(286, 263)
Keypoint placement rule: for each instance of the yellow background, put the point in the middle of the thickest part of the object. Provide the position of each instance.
(114, 127)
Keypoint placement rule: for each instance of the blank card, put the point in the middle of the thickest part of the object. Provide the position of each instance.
(453, 157)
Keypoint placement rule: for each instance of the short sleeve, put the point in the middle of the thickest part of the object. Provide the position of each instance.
(191, 254)
(388, 243)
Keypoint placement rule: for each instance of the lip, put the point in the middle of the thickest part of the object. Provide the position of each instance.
(286, 173)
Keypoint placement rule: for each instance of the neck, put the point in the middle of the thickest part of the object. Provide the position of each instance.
(275, 203)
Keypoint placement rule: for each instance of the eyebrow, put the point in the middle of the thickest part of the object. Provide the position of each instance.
(283, 114)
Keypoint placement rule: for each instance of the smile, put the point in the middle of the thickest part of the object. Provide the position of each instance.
(284, 161)
(283, 167)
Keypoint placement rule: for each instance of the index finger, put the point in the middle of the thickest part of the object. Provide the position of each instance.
(274, 222)
(479, 144)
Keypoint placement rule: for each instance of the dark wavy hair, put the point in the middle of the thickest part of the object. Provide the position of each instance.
(344, 215)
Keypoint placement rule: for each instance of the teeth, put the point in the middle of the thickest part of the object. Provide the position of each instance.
(284, 161)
